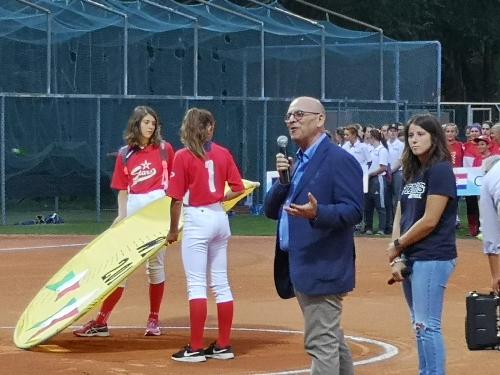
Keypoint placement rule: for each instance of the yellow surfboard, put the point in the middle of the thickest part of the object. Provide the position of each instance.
(92, 274)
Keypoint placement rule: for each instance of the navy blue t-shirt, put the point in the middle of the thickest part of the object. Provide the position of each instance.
(440, 244)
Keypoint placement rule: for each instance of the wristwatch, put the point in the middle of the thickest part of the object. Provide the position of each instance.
(397, 245)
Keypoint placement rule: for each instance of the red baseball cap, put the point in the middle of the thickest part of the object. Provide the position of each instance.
(483, 138)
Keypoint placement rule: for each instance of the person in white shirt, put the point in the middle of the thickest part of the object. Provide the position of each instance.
(384, 130)
(377, 184)
(489, 215)
(401, 132)
(355, 147)
(395, 148)
(366, 137)
(361, 152)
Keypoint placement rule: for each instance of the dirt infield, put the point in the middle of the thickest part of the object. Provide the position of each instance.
(266, 339)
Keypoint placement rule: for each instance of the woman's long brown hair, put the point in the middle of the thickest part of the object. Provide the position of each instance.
(194, 130)
(438, 151)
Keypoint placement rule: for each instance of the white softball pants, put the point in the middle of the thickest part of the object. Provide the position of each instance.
(155, 266)
(204, 249)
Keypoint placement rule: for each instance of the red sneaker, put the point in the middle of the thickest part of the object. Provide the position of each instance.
(92, 329)
(152, 328)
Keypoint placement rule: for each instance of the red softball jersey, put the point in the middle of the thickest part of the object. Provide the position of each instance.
(457, 153)
(201, 182)
(494, 147)
(470, 153)
(145, 170)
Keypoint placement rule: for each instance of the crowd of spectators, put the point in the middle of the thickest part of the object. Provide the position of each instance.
(378, 150)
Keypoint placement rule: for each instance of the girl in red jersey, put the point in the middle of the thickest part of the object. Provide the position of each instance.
(470, 154)
(198, 178)
(140, 176)
(482, 143)
(456, 149)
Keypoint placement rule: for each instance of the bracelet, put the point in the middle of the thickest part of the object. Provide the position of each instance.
(396, 260)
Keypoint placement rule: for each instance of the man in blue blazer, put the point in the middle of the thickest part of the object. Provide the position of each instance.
(316, 213)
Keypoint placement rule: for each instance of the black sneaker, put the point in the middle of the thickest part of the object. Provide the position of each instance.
(187, 354)
(213, 351)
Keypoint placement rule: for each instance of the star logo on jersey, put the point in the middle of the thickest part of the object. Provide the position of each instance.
(142, 172)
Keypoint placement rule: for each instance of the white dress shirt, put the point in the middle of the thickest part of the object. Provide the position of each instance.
(396, 148)
(489, 208)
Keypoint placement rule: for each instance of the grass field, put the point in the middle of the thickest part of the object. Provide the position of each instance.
(83, 221)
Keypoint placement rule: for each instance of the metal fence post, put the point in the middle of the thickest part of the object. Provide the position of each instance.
(98, 161)
(353, 20)
(314, 23)
(255, 20)
(195, 39)
(49, 39)
(125, 39)
(2, 159)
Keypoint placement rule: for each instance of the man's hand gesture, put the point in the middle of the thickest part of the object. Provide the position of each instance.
(308, 210)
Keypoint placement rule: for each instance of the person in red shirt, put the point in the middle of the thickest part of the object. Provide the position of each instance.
(197, 182)
(455, 147)
(470, 148)
(140, 177)
(470, 154)
(495, 139)
(483, 147)
(486, 128)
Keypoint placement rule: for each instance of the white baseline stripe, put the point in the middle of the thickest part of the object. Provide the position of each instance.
(389, 350)
(43, 247)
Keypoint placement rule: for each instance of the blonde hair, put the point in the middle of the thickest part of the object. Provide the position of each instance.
(195, 130)
(451, 125)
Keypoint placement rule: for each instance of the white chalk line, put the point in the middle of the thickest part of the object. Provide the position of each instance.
(43, 247)
(389, 350)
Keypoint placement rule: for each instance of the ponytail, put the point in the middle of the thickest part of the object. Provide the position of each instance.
(194, 130)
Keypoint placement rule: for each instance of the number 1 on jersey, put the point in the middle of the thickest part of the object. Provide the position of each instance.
(209, 164)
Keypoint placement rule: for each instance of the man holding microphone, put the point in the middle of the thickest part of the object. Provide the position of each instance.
(316, 212)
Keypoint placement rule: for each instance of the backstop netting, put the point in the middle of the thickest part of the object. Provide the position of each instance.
(73, 70)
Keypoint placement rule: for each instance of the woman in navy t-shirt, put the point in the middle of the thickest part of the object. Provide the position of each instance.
(424, 235)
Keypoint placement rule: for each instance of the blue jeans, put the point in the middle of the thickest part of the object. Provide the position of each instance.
(424, 293)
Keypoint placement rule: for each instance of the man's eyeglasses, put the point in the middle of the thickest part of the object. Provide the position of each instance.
(298, 115)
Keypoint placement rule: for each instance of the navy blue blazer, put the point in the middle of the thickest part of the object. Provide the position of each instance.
(321, 255)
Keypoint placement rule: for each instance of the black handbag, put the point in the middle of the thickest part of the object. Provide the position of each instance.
(482, 330)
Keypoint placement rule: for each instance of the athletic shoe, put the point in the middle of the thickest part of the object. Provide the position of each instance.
(213, 351)
(91, 329)
(368, 232)
(380, 233)
(152, 328)
(187, 354)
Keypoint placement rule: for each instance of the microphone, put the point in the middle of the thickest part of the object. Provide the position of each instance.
(405, 272)
(282, 142)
